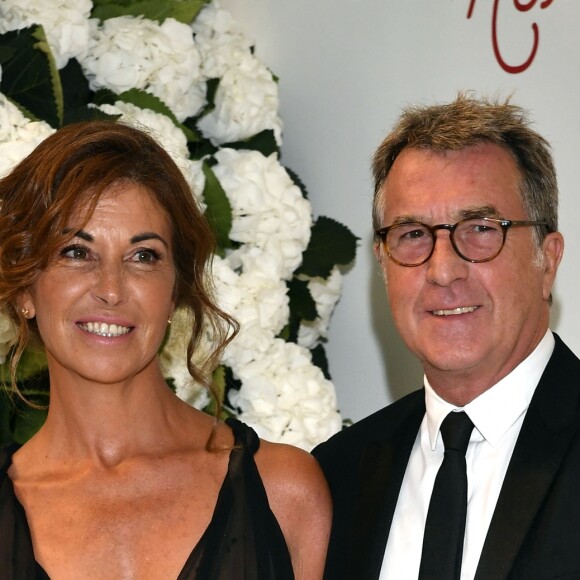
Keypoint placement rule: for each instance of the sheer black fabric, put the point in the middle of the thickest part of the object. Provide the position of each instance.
(243, 540)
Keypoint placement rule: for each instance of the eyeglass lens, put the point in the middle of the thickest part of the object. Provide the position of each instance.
(474, 239)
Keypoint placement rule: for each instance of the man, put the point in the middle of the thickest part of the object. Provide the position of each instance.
(465, 214)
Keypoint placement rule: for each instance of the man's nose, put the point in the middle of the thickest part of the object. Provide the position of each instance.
(445, 265)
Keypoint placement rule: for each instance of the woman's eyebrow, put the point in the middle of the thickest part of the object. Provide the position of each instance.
(136, 239)
(80, 234)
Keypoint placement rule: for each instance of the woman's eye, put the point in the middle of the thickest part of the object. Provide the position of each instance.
(75, 253)
(146, 256)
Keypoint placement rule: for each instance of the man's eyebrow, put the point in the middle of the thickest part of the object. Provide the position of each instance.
(476, 211)
(138, 238)
(406, 219)
(482, 211)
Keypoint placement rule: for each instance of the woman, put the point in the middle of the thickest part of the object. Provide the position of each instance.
(100, 241)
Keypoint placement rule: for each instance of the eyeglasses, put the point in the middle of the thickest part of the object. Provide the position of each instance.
(474, 239)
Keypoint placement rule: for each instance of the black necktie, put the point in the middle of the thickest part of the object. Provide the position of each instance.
(445, 525)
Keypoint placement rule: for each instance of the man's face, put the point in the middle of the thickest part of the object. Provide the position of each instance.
(469, 324)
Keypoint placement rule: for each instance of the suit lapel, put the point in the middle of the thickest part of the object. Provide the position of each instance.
(380, 476)
(546, 434)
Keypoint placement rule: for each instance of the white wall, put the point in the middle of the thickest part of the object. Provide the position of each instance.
(346, 67)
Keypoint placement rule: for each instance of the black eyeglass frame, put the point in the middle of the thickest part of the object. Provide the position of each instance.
(505, 224)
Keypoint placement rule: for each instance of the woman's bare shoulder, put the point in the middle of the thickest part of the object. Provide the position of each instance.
(288, 468)
(300, 499)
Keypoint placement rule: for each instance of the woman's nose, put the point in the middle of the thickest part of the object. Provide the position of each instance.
(110, 286)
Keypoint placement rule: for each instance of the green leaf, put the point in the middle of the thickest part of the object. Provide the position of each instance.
(145, 100)
(219, 209)
(30, 78)
(43, 45)
(210, 91)
(182, 10)
(331, 243)
(77, 95)
(32, 363)
(19, 421)
(320, 360)
(27, 422)
(301, 302)
(75, 86)
(302, 307)
(201, 149)
(297, 181)
(264, 142)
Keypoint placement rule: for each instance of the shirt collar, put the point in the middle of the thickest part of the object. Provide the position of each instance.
(498, 408)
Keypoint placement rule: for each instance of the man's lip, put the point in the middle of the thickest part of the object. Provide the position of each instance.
(455, 311)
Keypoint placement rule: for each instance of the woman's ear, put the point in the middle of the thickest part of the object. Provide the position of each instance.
(26, 305)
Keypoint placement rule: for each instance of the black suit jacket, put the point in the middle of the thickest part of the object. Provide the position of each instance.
(535, 529)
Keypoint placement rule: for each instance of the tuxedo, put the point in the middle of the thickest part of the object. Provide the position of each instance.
(535, 529)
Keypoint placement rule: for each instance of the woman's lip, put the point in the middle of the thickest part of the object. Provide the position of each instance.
(106, 319)
(103, 329)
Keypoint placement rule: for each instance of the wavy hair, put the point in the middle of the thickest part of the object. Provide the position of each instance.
(71, 169)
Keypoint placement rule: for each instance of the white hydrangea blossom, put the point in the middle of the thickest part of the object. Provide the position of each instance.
(8, 335)
(269, 211)
(220, 40)
(170, 137)
(65, 23)
(258, 302)
(18, 135)
(134, 52)
(326, 293)
(285, 397)
(246, 103)
(174, 360)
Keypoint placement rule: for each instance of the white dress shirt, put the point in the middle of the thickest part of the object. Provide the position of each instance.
(497, 414)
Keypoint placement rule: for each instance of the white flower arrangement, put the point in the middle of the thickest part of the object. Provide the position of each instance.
(8, 335)
(326, 293)
(133, 52)
(268, 209)
(66, 23)
(198, 88)
(18, 135)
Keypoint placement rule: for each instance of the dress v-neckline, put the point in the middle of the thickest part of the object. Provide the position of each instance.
(41, 572)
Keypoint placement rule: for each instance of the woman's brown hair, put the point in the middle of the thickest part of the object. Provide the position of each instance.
(73, 167)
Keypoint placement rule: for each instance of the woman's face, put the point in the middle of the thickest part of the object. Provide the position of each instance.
(102, 304)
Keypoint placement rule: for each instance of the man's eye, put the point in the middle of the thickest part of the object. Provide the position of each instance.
(412, 234)
(75, 253)
(483, 229)
(416, 234)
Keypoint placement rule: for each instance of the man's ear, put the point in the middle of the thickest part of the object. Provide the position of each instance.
(378, 252)
(553, 250)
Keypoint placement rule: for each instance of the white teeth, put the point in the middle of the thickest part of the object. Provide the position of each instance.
(460, 310)
(104, 329)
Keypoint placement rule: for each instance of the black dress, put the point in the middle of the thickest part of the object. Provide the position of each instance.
(243, 540)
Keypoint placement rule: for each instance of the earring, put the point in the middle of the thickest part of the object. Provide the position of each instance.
(169, 320)
(25, 312)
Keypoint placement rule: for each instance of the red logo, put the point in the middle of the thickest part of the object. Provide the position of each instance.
(521, 7)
